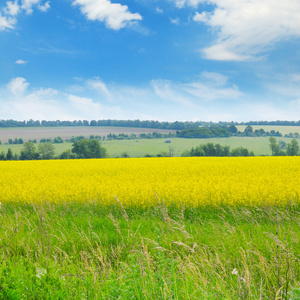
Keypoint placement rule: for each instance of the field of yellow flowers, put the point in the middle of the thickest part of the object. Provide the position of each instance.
(140, 182)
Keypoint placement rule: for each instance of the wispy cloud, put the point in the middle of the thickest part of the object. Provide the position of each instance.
(175, 21)
(159, 10)
(209, 97)
(246, 28)
(114, 15)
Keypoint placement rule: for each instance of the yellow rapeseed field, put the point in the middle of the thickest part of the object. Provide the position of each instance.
(135, 181)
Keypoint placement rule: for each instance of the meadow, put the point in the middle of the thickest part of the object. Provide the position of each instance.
(150, 228)
(139, 148)
(282, 129)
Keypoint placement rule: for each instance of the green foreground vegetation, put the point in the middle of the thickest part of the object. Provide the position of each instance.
(139, 148)
(87, 251)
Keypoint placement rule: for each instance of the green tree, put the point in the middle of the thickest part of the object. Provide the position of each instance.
(29, 152)
(275, 148)
(248, 130)
(58, 140)
(2, 156)
(46, 151)
(88, 149)
(125, 155)
(292, 148)
(9, 154)
(240, 151)
(232, 128)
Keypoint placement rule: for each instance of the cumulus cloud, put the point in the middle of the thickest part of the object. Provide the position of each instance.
(6, 22)
(18, 86)
(115, 15)
(21, 62)
(246, 28)
(28, 5)
(12, 9)
(182, 3)
(44, 7)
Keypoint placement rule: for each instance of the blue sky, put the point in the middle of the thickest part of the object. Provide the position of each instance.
(166, 60)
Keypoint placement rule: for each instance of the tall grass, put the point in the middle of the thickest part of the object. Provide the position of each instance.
(86, 251)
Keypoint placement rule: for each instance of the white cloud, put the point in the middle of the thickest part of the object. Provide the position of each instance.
(18, 86)
(115, 15)
(98, 85)
(159, 10)
(28, 4)
(21, 62)
(175, 21)
(210, 96)
(210, 86)
(182, 3)
(12, 8)
(6, 22)
(90, 109)
(44, 7)
(168, 91)
(247, 28)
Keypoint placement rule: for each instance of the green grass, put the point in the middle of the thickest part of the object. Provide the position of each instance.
(260, 145)
(281, 129)
(87, 251)
(138, 148)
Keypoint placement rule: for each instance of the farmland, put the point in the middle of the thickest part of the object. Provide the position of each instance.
(141, 147)
(67, 132)
(150, 228)
(282, 129)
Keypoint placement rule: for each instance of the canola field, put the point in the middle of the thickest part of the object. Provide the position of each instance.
(140, 182)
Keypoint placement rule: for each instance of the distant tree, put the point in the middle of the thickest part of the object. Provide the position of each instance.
(163, 154)
(29, 152)
(275, 148)
(232, 128)
(88, 149)
(67, 154)
(58, 140)
(282, 145)
(125, 155)
(248, 130)
(292, 148)
(2, 156)
(240, 151)
(46, 151)
(9, 154)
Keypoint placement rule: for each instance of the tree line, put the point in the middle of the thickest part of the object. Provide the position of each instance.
(80, 149)
(224, 131)
(104, 123)
(138, 123)
(282, 149)
(210, 149)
